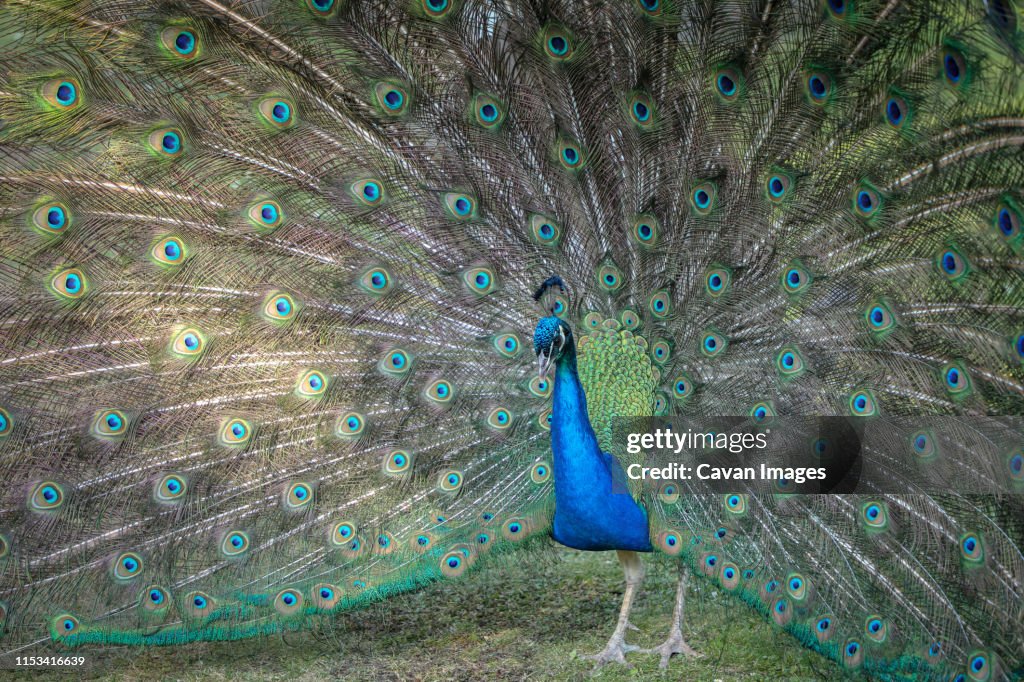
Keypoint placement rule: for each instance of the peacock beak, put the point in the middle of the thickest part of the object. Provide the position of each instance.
(543, 363)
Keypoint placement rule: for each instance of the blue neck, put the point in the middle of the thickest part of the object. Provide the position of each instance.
(589, 514)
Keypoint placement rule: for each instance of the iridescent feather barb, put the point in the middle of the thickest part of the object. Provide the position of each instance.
(266, 277)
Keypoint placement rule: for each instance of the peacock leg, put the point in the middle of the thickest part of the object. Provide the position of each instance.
(675, 644)
(616, 649)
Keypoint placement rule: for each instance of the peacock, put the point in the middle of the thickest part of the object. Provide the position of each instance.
(271, 270)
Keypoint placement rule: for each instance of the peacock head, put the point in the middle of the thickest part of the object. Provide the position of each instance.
(551, 339)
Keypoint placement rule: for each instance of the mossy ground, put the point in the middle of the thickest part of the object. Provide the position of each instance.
(524, 621)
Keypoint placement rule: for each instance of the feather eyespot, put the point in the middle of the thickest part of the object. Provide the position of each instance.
(368, 192)
(487, 111)
(641, 109)
(46, 496)
(702, 198)
(661, 351)
(266, 215)
(188, 343)
(170, 488)
(392, 99)
(728, 83)
(712, 343)
(51, 218)
(297, 496)
(956, 379)
(874, 516)
(645, 230)
(180, 42)
(350, 425)
(435, 9)
(343, 533)
(325, 597)
(235, 432)
(127, 566)
(819, 87)
(311, 384)
(866, 201)
(762, 412)
(154, 599)
(481, 281)
(166, 142)
(6, 423)
(668, 493)
(736, 503)
(376, 281)
(862, 404)
(823, 629)
(279, 112)
(64, 625)
(897, 112)
(321, 8)
(449, 481)
(499, 418)
(1007, 220)
(169, 251)
(629, 319)
(70, 284)
(923, 445)
(440, 391)
(570, 155)
(279, 307)
(544, 230)
(777, 187)
(540, 472)
(717, 281)
(789, 362)
(837, 8)
(397, 462)
(876, 629)
(198, 605)
(453, 564)
(109, 424)
(853, 654)
(609, 278)
(557, 44)
(729, 577)
(395, 362)
(879, 317)
(979, 666)
(971, 549)
(952, 264)
(1015, 466)
(540, 386)
(954, 66)
(796, 278)
(660, 304)
(670, 542)
(682, 387)
(650, 7)
(63, 94)
(460, 206)
(288, 602)
(508, 345)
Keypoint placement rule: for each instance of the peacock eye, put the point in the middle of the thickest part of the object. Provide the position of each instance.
(321, 8)
(279, 112)
(63, 94)
(180, 42)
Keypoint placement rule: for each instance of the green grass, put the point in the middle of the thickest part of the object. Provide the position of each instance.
(524, 621)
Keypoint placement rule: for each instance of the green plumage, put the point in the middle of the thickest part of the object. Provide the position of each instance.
(265, 300)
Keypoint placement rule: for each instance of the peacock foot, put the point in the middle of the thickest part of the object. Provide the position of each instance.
(615, 651)
(675, 644)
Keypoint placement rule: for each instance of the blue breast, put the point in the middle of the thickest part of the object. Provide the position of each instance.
(593, 507)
